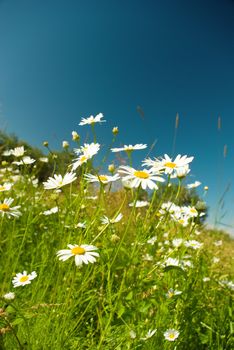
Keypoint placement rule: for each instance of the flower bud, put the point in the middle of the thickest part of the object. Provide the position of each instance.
(65, 144)
(115, 130)
(75, 136)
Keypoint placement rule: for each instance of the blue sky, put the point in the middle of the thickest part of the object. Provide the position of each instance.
(63, 60)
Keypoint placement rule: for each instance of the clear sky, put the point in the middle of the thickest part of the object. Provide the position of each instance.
(63, 60)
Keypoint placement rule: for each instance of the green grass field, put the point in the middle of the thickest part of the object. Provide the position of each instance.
(145, 276)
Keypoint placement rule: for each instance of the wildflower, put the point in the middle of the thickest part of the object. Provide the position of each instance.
(21, 279)
(44, 159)
(229, 284)
(206, 279)
(106, 221)
(194, 185)
(172, 262)
(111, 168)
(215, 260)
(132, 334)
(171, 334)
(129, 148)
(104, 179)
(143, 178)
(81, 225)
(83, 254)
(92, 120)
(58, 181)
(6, 209)
(218, 243)
(193, 244)
(75, 136)
(149, 334)
(182, 172)
(190, 211)
(170, 166)
(9, 296)
(206, 188)
(18, 151)
(171, 292)
(139, 204)
(85, 153)
(176, 242)
(148, 257)
(51, 211)
(25, 160)
(7, 153)
(65, 144)
(5, 187)
(152, 240)
(45, 143)
(115, 130)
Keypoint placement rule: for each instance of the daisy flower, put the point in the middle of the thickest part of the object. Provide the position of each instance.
(177, 242)
(170, 166)
(6, 209)
(44, 159)
(58, 181)
(149, 334)
(171, 334)
(194, 185)
(152, 240)
(139, 204)
(21, 279)
(18, 151)
(83, 253)
(129, 148)
(25, 160)
(85, 153)
(5, 187)
(51, 211)
(193, 244)
(143, 178)
(171, 292)
(106, 221)
(104, 179)
(9, 296)
(92, 120)
(190, 211)
(182, 172)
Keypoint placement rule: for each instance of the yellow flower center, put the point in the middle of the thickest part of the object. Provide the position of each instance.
(141, 174)
(102, 178)
(170, 165)
(78, 251)
(83, 159)
(193, 210)
(170, 294)
(172, 336)
(4, 207)
(2, 188)
(24, 278)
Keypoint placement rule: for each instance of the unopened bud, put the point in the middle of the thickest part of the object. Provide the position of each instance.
(115, 130)
(111, 168)
(45, 143)
(206, 188)
(65, 144)
(75, 136)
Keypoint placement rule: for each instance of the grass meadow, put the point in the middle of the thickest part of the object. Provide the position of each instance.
(110, 258)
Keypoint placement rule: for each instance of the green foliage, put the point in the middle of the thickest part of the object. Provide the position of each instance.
(142, 281)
